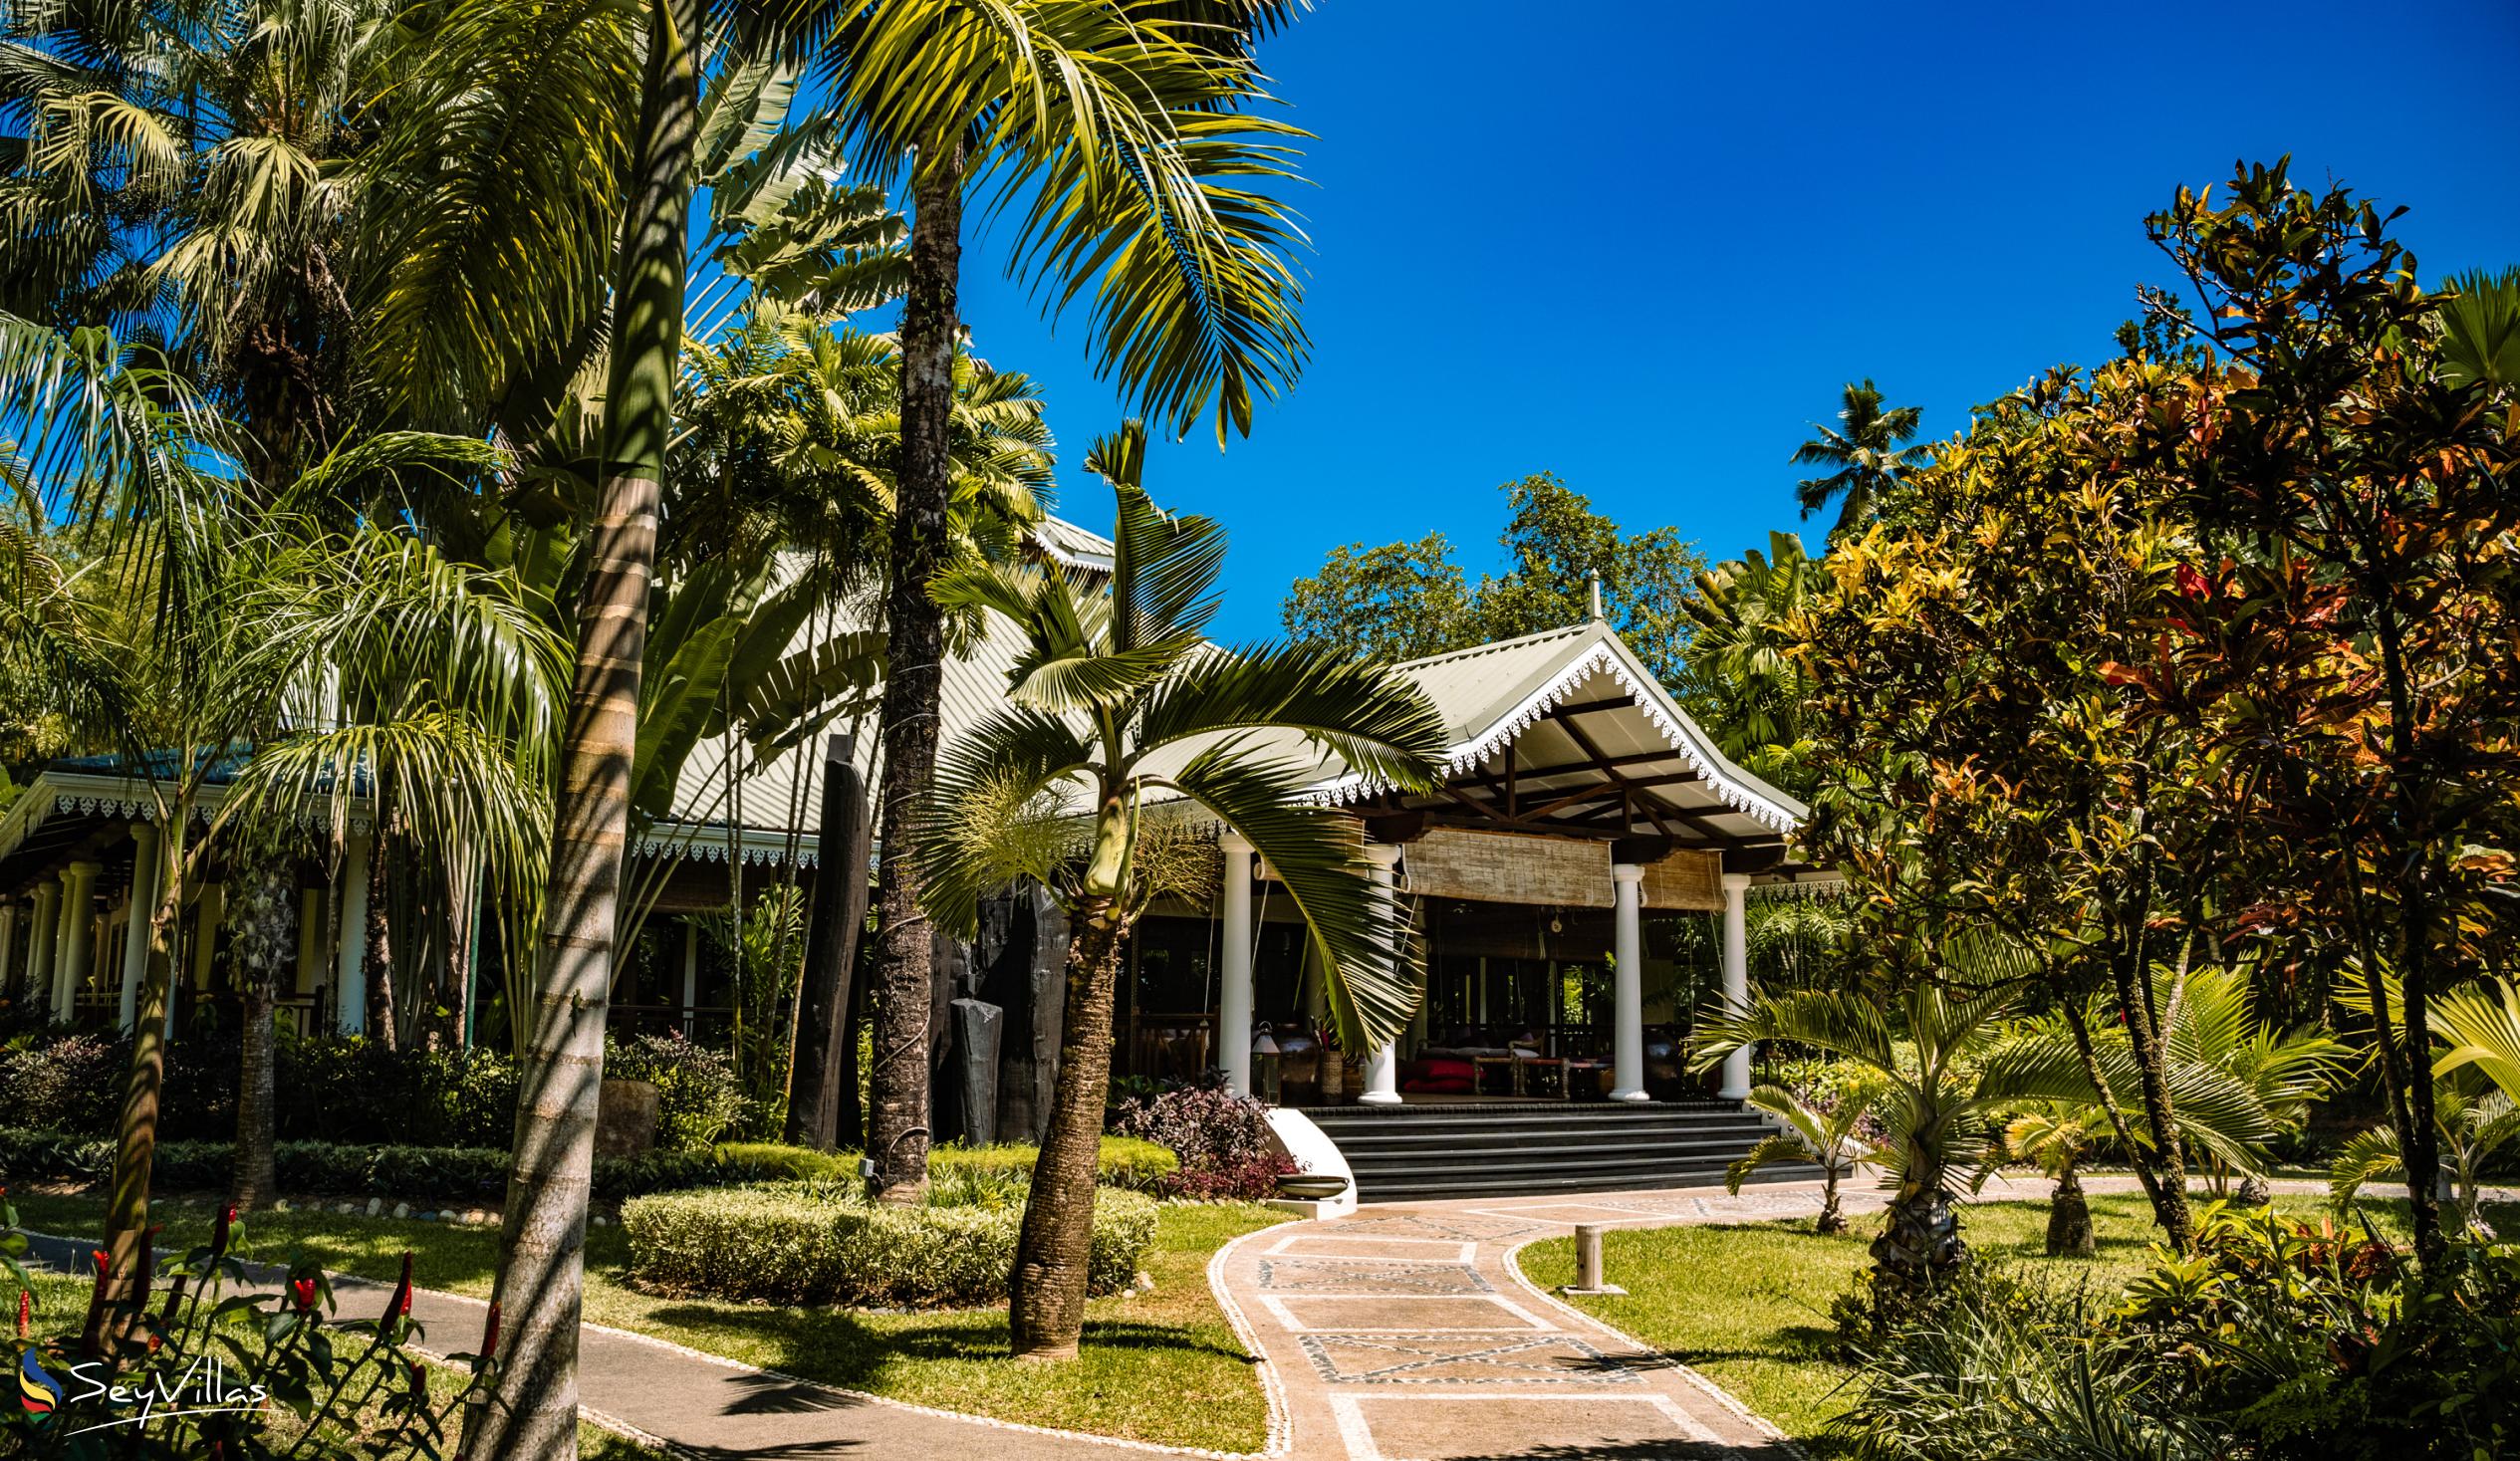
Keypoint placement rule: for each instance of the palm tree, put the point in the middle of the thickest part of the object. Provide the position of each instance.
(1932, 1106)
(1867, 454)
(1741, 672)
(1117, 705)
(1830, 1137)
(2481, 1026)
(2209, 1024)
(2477, 1122)
(1125, 135)
(2057, 1137)
(334, 654)
(2480, 329)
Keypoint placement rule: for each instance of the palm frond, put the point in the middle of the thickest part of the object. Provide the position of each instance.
(1366, 943)
(997, 813)
(1842, 1024)
(1377, 722)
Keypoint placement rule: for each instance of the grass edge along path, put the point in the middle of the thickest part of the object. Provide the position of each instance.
(1746, 1304)
(1162, 1366)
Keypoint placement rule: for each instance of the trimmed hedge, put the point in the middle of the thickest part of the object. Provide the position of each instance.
(816, 1245)
(1124, 1161)
(478, 1175)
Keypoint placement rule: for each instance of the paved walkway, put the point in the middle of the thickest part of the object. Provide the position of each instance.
(1407, 1333)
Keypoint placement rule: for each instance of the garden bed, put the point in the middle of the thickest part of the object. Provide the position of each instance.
(1747, 1306)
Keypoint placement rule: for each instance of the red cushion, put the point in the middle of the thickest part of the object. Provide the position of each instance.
(1444, 1085)
(1442, 1070)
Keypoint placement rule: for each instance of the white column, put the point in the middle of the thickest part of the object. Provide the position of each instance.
(691, 976)
(349, 969)
(8, 947)
(136, 922)
(78, 934)
(1628, 1049)
(43, 946)
(1736, 977)
(1382, 1062)
(1234, 996)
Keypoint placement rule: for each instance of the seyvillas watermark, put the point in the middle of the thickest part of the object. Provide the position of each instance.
(202, 1388)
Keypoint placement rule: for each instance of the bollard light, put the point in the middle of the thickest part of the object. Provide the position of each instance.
(1589, 1277)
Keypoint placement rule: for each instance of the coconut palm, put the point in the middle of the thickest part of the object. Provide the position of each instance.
(1868, 451)
(2056, 1137)
(1829, 1137)
(1118, 704)
(1123, 138)
(2477, 1122)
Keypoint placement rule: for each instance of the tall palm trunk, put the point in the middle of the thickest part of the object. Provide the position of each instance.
(542, 1244)
(1046, 1293)
(135, 1133)
(261, 922)
(915, 680)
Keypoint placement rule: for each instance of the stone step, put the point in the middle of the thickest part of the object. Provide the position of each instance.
(1530, 1184)
(1498, 1149)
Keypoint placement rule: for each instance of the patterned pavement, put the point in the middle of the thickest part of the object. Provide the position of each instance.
(1407, 1333)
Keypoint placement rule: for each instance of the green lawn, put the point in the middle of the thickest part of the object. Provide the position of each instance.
(60, 1304)
(1748, 1306)
(1161, 1366)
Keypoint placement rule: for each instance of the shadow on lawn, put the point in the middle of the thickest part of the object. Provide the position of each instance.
(838, 1347)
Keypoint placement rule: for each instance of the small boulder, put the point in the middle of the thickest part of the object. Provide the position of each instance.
(401, 1210)
(375, 1205)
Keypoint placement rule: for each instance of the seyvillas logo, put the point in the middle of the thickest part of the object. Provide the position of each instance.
(38, 1391)
(203, 1387)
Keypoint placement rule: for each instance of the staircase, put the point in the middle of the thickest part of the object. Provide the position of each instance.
(1410, 1153)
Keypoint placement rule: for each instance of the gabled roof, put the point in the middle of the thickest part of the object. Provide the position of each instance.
(1493, 695)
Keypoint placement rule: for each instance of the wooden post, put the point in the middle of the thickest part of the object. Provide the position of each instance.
(822, 1079)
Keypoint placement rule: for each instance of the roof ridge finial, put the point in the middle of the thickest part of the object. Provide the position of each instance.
(1593, 578)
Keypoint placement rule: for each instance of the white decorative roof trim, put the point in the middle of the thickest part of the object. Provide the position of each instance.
(708, 845)
(1813, 887)
(1536, 706)
(117, 799)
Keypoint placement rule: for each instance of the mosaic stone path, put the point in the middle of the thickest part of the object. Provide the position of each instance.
(1405, 1332)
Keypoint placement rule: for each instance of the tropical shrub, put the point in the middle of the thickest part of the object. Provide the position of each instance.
(698, 1098)
(2275, 1340)
(1222, 1139)
(70, 1081)
(806, 1244)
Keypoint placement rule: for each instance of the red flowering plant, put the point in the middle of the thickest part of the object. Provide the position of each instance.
(1222, 1139)
(211, 1358)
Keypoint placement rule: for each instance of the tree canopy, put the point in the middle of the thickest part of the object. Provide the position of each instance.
(1405, 600)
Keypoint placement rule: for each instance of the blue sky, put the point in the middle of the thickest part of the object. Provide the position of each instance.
(1642, 245)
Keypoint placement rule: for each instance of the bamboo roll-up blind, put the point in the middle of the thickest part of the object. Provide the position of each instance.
(1690, 879)
(1506, 867)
